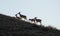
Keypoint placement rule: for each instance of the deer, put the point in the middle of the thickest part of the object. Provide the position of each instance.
(17, 16)
(37, 20)
(22, 16)
(33, 20)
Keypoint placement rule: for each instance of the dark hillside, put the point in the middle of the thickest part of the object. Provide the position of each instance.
(10, 26)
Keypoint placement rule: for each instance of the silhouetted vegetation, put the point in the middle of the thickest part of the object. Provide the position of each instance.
(10, 26)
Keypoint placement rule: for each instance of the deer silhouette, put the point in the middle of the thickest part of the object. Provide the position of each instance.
(22, 16)
(32, 20)
(17, 16)
(37, 20)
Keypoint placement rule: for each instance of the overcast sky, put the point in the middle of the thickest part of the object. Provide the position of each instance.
(47, 10)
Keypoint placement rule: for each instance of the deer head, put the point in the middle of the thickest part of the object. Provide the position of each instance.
(19, 13)
(35, 18)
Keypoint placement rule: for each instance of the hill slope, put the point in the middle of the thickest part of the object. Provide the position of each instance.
(10, 26)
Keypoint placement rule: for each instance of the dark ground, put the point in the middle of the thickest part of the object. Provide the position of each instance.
(10, 26)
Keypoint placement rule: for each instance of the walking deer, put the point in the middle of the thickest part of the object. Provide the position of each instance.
(17, 16)
(38, 20)
(33, 20)
(22, 16)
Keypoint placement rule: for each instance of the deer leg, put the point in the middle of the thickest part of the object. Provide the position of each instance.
(40, 23)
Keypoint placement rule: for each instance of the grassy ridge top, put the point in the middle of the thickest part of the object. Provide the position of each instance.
(10, 26)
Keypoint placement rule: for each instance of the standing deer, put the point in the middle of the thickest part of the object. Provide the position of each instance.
(37, 20)
(17, 16)
(22, 16)
(33, 20)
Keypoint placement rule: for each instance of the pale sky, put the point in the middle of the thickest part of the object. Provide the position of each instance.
(47, 10)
